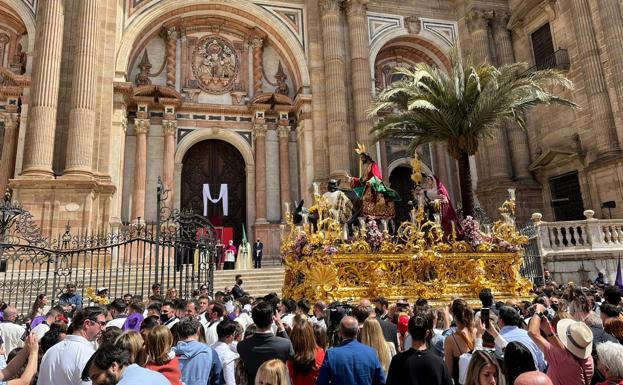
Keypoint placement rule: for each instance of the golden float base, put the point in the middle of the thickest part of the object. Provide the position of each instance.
(437, 277)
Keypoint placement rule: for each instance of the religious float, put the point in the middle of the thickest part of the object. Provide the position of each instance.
(329, 261)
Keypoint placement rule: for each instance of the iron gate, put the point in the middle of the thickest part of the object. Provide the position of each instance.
(532, 267)
(178, 251)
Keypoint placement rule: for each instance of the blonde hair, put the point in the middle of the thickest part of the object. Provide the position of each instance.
(372, 335)
(272, 372)
(132, 342)
(158, 344)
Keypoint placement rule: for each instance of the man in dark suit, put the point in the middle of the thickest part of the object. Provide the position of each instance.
(264, 345)
(390, 330)
(351, 362)
(237, 291)
(258, 250)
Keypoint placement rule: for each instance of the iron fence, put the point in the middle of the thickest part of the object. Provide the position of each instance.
(178, 251)
(532, 267)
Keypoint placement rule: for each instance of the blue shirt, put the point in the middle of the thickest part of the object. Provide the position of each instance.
(513, 333)
(71, 299)
(351, 363)
(135, 375)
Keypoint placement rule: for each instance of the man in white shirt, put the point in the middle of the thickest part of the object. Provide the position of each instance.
(226, 330)
(116, 310)
(44, 326)
(202, 311)
(215, 313)
(10, 331)
(287, 309)
(318, 318)
(64, 362)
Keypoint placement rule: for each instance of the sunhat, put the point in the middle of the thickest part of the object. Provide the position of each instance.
(576, 337)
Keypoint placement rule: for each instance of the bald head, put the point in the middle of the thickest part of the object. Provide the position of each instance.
(365, 302)
(10, 313)
(533, 378)
(349, 327)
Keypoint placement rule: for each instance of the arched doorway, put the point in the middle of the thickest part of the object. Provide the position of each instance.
(400, 180)
(215, 162)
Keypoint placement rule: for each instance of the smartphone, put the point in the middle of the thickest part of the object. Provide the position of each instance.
(484, 316)
(24, 336)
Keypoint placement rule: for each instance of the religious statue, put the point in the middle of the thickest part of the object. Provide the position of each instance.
(340, 206)
(142, 78)
(378, 199)
(434, 195)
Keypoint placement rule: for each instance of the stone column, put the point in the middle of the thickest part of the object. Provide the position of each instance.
(170, 37)
(361, 77)
(493, 158)
(257, 43)
(168, 161)
(82, 108)
(517, 138)
(335, 77)
(9, 148)
(259, 132)
(284, 166)
(602, 120)
(612, 24)
(141, 128)
(39, 141)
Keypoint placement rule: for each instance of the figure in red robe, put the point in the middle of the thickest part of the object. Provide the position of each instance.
(438, 201)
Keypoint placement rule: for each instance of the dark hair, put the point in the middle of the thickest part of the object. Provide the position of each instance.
(104, 357)
(462, 312)
(180, 304)
(517, 360)
(187, 327)
(109, 336)
(249, 331)
(52, 336)
(157, 306)
(486, 297)
(612, 295)
(304, 346)
(218, 308)
(150, 323)
(244, 300)
(88, 313)
(225, 328)
(289, 304)
(509, 316)
(168, 303)
(609, 309)
(262, 315)
(361, 313)
(322, 339)
(238, 276)
(304, 304)
(421, 302)
(421, 325)
(156, 286)
(382, 301)
(117, 304)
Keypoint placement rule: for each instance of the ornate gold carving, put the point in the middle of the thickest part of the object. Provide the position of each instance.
(420, 261)
(169, 127)
(215, 64)
(141, 126)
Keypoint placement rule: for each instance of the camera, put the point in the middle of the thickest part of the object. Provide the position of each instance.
(333, 316)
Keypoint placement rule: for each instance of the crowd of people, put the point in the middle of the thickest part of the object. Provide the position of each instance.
(566, 335)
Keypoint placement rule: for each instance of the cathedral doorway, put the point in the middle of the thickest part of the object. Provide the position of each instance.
(215, 163)
(400, 180)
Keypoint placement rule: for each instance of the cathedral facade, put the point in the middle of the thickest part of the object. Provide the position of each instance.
(239, 106)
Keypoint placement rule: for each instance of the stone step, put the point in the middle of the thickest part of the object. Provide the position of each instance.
(257, 282)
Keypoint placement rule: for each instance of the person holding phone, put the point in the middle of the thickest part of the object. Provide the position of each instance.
(29, 356)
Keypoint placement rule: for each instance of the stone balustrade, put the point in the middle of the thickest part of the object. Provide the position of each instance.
(582, 236)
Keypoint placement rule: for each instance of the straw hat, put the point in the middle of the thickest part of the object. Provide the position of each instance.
(576, 337)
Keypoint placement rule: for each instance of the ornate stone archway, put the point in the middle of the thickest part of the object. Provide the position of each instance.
(232, 138)
(247, 12)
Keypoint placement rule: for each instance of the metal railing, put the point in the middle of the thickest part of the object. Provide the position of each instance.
(178, 251)
(558, 60)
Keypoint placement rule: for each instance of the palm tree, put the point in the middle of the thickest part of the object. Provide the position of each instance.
(460, 107)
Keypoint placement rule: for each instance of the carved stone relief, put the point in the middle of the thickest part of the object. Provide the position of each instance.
(215, 64)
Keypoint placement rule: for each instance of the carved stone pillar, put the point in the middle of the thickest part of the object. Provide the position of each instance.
(517, 138)
(493, 159)
(9, 148)
(141, 128)
(170, 37)
(612, 23)
(259, 132)
(284, 166)
(257, 43)
(168, 161)
(335, 77)
(360, 67)
(79, 157)
(39, 142)
(602, 120)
